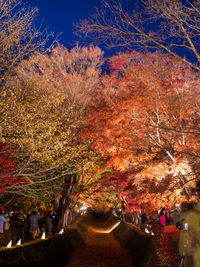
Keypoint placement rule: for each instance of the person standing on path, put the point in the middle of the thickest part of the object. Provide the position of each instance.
(2, 221)
(35, 230)
(7, 224)
(162, 217)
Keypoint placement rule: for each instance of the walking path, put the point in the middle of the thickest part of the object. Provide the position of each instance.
(109, 242)
(101, 250)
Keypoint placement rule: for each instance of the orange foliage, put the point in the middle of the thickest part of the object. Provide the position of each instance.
(146, 116)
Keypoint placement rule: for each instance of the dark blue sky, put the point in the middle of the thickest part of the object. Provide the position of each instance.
(59, 15)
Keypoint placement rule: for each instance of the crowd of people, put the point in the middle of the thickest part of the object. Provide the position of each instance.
(18, 225)
(164, 216)
(184, 218)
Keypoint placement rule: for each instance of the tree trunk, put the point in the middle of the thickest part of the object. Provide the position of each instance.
(68, 189)
(63, 205)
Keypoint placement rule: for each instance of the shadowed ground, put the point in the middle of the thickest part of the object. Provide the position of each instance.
(100, 250)
(109, 242)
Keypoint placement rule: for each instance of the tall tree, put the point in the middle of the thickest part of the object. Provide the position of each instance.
(41, 113)
(19, 38)
(146, 124)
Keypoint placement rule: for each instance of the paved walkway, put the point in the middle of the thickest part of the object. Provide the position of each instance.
(102, 250)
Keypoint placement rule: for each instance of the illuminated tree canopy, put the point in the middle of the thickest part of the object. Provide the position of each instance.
(72, 130)
(147, 127)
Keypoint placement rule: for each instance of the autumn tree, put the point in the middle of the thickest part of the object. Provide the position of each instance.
(41, 113)
(170, 26)
(146, 124)
(156, 126)
(19, 37)
(170, 115)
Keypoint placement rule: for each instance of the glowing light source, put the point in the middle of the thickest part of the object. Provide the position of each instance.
(152, 233)
(9, 244)
(19, 242)
(61, 231)
(83, 207)
(147, 231)
(83, 212)
(106, 231)
(43, 235)
(115, 214)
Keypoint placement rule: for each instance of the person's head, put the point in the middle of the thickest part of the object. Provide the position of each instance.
(162, 212)
(177, 206)
(33, 212)
(2, 211)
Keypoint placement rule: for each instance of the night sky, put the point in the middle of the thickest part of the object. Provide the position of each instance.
(59, 15)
